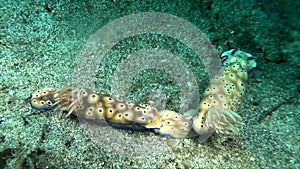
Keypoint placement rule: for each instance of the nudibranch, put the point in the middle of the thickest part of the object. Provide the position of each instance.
(88, 104)
(221, 99)
(43, 99)
(216, 112)
(174, 125)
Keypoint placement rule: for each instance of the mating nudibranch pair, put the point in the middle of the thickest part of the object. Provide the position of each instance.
(217, 110)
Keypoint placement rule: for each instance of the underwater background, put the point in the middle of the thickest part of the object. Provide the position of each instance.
(41, 40)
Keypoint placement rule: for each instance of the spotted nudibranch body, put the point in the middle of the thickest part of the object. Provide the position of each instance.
(88, 104)
(216, 110)
(43, 99)
(174, 125)
(221, 99)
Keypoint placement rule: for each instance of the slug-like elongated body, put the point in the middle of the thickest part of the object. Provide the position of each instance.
(223, 96)
(88, 104)
(216, 113)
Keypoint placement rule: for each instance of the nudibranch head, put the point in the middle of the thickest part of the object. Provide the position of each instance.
(246, 60)
(43, 99)
(174, 125)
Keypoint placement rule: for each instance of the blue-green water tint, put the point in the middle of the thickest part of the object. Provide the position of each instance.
(39, 48)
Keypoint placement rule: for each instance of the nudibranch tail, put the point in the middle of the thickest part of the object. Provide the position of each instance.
(224, 94)
(174, 125)
(43, 99)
